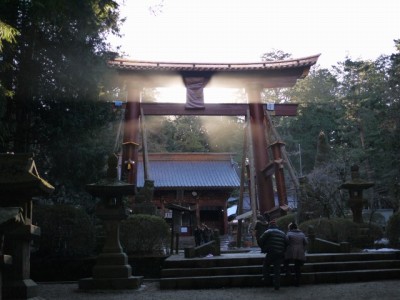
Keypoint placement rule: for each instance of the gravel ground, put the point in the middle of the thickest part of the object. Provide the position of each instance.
(150, 290)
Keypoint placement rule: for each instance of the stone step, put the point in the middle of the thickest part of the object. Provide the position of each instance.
(245, 269)
(359, 256)
(224, 281)
(257, 269)
(351, 266)
(256, 258)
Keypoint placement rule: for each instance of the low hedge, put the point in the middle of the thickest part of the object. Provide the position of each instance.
(66, 231)
(344, 230)
(144, 234)
(283, 222)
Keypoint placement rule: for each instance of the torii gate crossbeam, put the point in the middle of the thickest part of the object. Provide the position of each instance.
(179, 109)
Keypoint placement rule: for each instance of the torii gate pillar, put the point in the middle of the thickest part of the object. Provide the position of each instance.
(131, 134)
(265, 191)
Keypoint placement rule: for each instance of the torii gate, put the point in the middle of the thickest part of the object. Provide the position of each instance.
(253, 77)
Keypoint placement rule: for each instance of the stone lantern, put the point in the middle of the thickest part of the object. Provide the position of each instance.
(10, 217)
(19, 182)
(111, 270)
(355, 186)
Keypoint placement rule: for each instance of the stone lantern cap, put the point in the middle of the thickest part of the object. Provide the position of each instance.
(11, 219)
(356, 182)
(18, 174)
(10, 214)
(111, 186)
(105, 189)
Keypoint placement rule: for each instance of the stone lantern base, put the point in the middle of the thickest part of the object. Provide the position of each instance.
(111, 272)
(130, 283)
(21, 289)
(16, 282)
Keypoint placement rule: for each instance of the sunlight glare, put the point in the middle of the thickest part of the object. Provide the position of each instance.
(211, 95)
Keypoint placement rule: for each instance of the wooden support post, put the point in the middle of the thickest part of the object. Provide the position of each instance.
(285, 157)
(144, 145)
(241, 191)
(279, 175)
(177, 243)
(286, 161)
(252, 181)
(172, 236)
(265, 190)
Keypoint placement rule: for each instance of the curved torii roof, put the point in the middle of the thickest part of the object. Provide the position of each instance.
(271, 74)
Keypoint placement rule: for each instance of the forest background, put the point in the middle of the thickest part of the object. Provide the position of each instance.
(56, 96)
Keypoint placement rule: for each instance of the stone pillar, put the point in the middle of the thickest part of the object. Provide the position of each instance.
(4, 260)
(17, 284)
(265, 192)
(112, 262)
(112, 270)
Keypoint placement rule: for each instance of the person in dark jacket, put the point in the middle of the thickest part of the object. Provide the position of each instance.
(260, 227)
(197, 236)
(296, 250)
(207, 234)
(273, 242)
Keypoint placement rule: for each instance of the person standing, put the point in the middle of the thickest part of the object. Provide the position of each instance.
(197, 236)
(260, 226)
(273, 243)
(207, 233)
(296, 251)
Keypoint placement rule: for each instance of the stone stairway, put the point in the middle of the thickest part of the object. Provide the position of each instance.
(188, 241)
(244, 270)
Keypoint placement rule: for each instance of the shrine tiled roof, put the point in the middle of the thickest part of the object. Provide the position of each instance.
(124, 64)
(191, 170)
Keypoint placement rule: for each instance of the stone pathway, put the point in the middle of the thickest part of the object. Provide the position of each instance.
(381, 290)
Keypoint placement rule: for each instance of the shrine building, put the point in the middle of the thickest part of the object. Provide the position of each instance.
(200, 182)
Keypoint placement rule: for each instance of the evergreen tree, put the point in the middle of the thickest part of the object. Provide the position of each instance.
(55, 73)
(318, 110)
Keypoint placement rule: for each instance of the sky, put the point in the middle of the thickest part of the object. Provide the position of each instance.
(241, 31)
